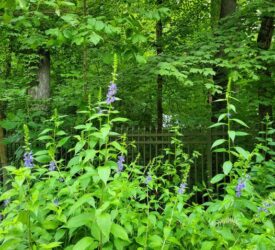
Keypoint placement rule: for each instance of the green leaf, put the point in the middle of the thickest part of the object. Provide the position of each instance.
(85, 243)
(89, 155)
(242, 152)
(119, 119)
(232, 135)
(217, 178)
(79, 146)
(62, 141)
(239, 133)
(79, 220)
(218, 124)
(104, 222)
(155, 241)
(207, 245)
(240, 122)
(227, 166)
(221, 117)
(86, 198)
(104, 173)
(119, 232)
(218, 142)
(94, 38)
(43, 158)
(50, 245)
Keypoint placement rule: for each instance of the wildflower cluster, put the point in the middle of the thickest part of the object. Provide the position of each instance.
(112, 90)
(182, 188)
(52, 166)
(28, 160)
(240, 186)
(120, 161)
(148, 179)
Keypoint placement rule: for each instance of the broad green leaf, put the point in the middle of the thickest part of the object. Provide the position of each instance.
(232, 135)
(119, 119)
(86, 198)
(155, 241)
(79, 146)
(221, 117)
(85, 243)
(43, 158)
(94, 38)
(207, 245)
(50, 245)
(104, 173)
(242, 152)
(217, 178)
(62, 141)
(239, 133)
(119, 232)
(79, 220)
(232, 107)
(227, 166)
(218, 124)
(104, 222)
(89, 155)
(218, 142)
(240, 122)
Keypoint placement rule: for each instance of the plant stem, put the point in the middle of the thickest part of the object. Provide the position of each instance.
(170, 221)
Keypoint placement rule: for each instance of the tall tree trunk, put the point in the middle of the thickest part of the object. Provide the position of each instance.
(42, 90)
(227, 8)
(159, 46)
(264, 42)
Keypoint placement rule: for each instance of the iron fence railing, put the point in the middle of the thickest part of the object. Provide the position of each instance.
(149, 143)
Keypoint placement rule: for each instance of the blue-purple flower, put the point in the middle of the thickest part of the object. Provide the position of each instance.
(52, 166)
(182, 188)
(6, 202)
(56, 202)
(240, 186)
(112, 90)
(61, 179)
(148, 179)
(263, 209)
(120, 161)
(28, 159)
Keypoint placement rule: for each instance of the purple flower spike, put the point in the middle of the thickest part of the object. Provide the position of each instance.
(28, 159)
(120, 161)
(182, 188)
(56, 202)
(111, 93)
(6, 202)
(148, 179)
(52, 166)
(240, 186)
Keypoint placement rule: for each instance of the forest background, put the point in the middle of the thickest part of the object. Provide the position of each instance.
(174, 60)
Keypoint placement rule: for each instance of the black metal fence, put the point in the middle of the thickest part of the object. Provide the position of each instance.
(149, 143)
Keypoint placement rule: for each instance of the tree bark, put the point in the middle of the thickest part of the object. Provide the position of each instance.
(159, 50)
(42, 90)
(264, 41)
(227, 8)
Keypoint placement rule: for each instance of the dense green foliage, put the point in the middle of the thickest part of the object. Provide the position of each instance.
(200, 64)
(82, 43)
(97, 201)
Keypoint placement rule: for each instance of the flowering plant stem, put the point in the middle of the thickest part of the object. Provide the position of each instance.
(169, 224)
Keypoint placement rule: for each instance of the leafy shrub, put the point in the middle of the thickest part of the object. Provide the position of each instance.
(97, 201)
